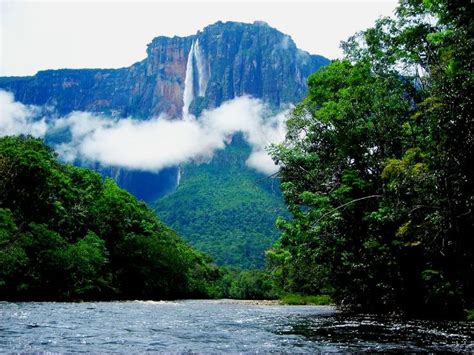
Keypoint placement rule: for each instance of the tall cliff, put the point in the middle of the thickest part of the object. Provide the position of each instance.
(227, 60)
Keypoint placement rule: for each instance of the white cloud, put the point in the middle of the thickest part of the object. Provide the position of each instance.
(262, 162)
(16, 118)
(272, 130)
(156, 143)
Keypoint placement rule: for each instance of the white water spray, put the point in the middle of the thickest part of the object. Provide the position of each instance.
(195, 57)
(178, 178)
(201, 69)
(188, 94)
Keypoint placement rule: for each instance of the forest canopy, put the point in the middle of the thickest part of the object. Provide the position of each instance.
(377, 169)
(66, 234)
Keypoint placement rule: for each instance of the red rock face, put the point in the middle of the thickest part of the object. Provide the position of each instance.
(166, 62)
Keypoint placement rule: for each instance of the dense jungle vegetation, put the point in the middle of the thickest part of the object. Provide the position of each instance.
(234, 222)
(377, 169)
(67, 234)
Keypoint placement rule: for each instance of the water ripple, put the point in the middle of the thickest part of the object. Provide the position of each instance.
(215, 326)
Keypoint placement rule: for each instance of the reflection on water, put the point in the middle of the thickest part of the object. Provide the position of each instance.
(386, 334)
(217, 326)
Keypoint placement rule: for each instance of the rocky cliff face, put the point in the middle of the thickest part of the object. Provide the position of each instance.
(256, 60)
(223, 61)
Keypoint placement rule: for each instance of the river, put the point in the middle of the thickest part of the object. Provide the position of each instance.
(215, 326)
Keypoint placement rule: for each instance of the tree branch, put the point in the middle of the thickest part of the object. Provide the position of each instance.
(346, 204)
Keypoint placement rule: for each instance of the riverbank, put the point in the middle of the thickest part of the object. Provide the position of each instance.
(222, 301)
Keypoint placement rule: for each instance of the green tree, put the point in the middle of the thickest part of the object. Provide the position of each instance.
(13, 259)
(376, 168)
(86, 268)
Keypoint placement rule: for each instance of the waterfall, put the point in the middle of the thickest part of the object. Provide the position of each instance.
(178, 178)
(201, 69)
(195, 58)
(188, 94)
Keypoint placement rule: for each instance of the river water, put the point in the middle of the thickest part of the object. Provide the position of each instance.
(215, 326)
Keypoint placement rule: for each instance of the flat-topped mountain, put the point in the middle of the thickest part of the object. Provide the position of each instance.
(226, 60)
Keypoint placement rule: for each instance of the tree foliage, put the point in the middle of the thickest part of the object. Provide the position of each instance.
(377, 169)
(65, 234)
(225, 209)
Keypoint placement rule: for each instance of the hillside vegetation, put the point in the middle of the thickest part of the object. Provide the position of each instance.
(225, 209)
(67, 234)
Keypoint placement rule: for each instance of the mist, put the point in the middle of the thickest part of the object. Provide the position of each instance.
(153, 144)
(16, 118)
